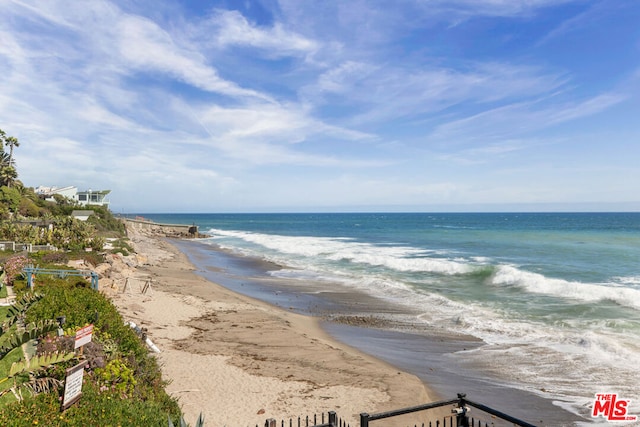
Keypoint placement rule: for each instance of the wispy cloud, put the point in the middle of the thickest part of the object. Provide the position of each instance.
(502, 8)
(593, 13)
(389, 92)
(147, 48)
(233, 29)
(518, 119)
(340, 101)
(489, 152)
(261, 134)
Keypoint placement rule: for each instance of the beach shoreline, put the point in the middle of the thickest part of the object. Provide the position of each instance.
(380, 329)
(239, 360)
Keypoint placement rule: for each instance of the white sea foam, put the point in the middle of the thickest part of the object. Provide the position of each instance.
(629, 281)
(572, 358)
(507, 275)
(567, 364)
(400, 258)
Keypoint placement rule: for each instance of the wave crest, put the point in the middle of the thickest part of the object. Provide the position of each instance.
(507, 275)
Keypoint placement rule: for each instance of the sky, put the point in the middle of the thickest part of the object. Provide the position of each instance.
(331, 105)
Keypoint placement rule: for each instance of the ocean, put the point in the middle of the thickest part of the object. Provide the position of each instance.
(543, 304)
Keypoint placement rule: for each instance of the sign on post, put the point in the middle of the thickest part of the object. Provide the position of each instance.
(73, 385)
(83, 336)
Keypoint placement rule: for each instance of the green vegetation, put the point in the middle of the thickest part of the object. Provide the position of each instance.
(25, 217)
(122, 246)
(18, 374)
(122, 383)
(106, 225)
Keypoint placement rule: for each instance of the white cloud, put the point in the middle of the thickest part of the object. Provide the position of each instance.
(389, 92)
(99, 32)
(503, 8)
(520, 118)
(338, 101)
(263, 134)
(235, 30)
(147, 47)
(490, 152)
(590, 17)
(343, 78)
(586, 108)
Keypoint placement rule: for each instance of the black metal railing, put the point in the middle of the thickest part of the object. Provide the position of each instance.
(332, 420)
(460, 413)
(459, 416)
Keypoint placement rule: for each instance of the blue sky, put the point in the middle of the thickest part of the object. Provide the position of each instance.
(332, 105)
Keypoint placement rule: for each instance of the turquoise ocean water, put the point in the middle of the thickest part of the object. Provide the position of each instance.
(555, 297)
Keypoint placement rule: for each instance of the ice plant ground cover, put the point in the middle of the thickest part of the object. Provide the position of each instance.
(122, 382)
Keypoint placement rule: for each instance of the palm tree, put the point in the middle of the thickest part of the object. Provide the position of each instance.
(5, 167)
(8, 174)
(5, 160)
(9, 141)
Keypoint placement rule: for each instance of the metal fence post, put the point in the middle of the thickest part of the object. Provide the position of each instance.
(364, 419)
(270, 423)
(462, 420)
(333, 419)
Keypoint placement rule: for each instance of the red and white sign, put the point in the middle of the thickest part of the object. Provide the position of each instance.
(83, 336)
(612, 408)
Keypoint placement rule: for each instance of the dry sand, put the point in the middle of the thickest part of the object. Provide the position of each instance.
(240, 361)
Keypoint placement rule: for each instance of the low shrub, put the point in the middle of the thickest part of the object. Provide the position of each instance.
(124, 369)
(13, 267)
(118, 377)
(120, 245)
(95, 408)
(56, 257)
(92, 258)
(122, 385)
(105, 223)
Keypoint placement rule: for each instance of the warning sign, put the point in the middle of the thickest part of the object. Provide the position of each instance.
(83, 336)
(73, 385)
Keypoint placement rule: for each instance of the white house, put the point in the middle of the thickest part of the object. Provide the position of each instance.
(88, 197)
(95, 197)
(48, 192)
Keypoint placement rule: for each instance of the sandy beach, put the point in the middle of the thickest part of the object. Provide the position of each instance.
(241, 361)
